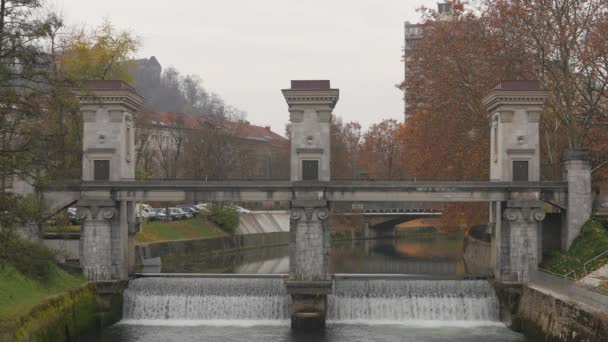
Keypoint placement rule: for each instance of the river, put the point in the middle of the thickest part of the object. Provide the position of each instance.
(229, 309)
(439, 255)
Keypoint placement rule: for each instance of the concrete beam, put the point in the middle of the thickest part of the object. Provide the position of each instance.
(336, 191)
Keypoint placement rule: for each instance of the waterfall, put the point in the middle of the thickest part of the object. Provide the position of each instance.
(206, 299)
(251, 300)
(400, 300)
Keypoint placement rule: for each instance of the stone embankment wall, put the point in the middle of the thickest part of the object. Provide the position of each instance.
(65, 245)
(216, 245)
(478, 256)
(64, 317)
(545, 316)
(263, 222)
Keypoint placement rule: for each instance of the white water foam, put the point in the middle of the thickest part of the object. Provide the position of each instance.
(206, 299)
(258, 301)
(398, 300)
(213, 322)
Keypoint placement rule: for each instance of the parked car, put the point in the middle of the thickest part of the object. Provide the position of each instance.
(73, 216)
(201, 206)
(160, 214)
(240, 210)
(175, 214)
(185, 214)
(189, 210)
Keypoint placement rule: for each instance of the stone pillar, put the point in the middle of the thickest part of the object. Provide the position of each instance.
(108, 109)
(310, 106)
(309, 279)
(514, 109)
(576, 166)
(98, 221)
(133, 228)
(519, 240)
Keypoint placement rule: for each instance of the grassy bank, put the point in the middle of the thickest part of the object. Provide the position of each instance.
(19, 294)
(592, 241)
(161, 231)
(195, 228)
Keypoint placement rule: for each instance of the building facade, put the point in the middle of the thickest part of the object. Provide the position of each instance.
(175, 145)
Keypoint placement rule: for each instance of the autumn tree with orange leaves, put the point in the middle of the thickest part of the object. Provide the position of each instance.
(345, 146)
(566, 46)
(454, 66)
(382, 151)
(458, 61)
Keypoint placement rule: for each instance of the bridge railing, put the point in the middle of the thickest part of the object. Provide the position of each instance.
(569, 289)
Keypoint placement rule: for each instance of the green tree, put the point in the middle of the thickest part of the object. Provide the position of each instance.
(40, 123)
(224, 216)
(103, 53)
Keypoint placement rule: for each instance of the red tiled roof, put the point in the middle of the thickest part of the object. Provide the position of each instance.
(242, 129)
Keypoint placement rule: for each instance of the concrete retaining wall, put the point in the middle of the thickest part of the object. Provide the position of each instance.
(64, 248)
(263, 222)
(205, 246)
(545, 316)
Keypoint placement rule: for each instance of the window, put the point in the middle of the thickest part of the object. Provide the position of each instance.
(520, 171)
(101, 170)
(128, 143)
(310, 170)
(495, 131)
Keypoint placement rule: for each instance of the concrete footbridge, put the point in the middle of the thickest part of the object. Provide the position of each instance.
(333, 191)
(107, 193)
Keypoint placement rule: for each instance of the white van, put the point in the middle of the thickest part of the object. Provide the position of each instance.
(145, 212)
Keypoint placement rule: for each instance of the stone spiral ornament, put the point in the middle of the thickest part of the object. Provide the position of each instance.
(511, 214)
(539, 214)
(323, 214)
(107, 213)
(294, 214)
(82, 212)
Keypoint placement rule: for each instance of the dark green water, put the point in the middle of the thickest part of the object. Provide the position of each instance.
(438, 255)
(333, 333)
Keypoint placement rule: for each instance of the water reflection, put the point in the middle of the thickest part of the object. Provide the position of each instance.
(436, 255)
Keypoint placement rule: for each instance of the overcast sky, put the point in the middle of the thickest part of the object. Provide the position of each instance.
(246, 51)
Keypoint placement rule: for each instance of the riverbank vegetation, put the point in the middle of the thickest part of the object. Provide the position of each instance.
(592, 241)
(224, 216)
(20, 293)
(195, 228)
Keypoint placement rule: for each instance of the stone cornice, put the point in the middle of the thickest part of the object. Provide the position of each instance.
(132, 101)
(307, 97)
(512, 97)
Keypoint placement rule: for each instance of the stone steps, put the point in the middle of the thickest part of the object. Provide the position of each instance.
(596, 278)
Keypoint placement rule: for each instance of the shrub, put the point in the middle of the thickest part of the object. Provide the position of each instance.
(225, 217)
(592, 241)
(33, 260)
